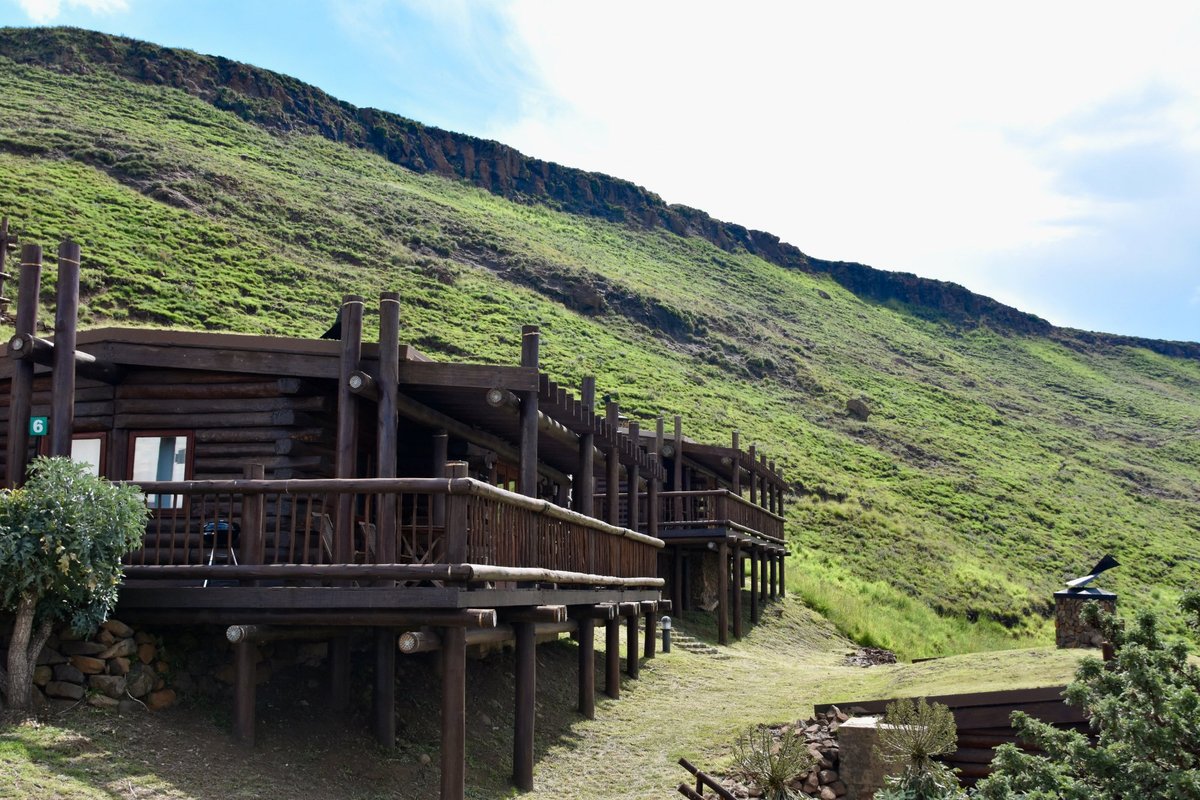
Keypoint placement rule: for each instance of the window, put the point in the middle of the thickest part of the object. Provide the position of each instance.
(86, 448)
(160, 457)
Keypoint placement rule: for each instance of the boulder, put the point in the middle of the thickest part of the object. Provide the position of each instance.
(66, 672)
(103, 701)
(88, 665)
(140, 680)
(76, 648)
(858, 408)
(111, 685)
(121, 649)
(160, 699)
(43, 675)
(118, 629)
(64, 690)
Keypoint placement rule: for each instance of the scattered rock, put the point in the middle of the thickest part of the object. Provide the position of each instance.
(857, 407)
(869, 657)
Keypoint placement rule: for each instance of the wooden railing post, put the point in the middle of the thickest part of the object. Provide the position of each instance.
(21, 388)
(252, 537)
(677, 467)
(612, 461)
(753, 474)
(634, 473)
(455, 536)
(585, 479)
(737, 464)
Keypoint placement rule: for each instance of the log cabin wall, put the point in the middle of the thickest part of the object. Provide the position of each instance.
(285, 424)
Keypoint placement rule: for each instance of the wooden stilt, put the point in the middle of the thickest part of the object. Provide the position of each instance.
(612, 658)
(245, 655)
(783, 575)
(651, 634)
(339, 673)
(754, 610)
(523, 716)
(762, 577)
(739, 580)
(634, 479)
(587, 667)
(632, 649)
(454, 713)
(384, 696)
(723, 593)
(677, 577)
(772, 582)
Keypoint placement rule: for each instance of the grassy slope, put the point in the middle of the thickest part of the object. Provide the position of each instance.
(684, 705)
(992, 466)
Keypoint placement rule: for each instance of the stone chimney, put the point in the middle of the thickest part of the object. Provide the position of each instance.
(1069, 628)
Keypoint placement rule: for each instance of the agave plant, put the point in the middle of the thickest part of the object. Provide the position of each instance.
(912, 733)
(772, 762)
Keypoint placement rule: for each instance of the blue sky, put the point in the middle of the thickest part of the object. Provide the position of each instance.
(1047, 155)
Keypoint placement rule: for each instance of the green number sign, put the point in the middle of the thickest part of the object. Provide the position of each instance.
(38, 426)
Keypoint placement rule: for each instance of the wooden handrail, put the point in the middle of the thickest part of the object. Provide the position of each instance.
(446, 486)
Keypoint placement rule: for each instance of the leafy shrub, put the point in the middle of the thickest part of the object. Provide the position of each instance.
(62, 537)
(1145, 711)
(771, 763)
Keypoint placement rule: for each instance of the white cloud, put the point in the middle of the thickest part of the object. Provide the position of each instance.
(42, 11)
(934, 137)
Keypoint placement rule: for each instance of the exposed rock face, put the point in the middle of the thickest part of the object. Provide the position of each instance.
(281, 103)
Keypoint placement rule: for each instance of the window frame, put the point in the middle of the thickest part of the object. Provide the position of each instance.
(188, 464)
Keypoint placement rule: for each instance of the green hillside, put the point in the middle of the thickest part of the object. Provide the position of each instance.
(996, 460)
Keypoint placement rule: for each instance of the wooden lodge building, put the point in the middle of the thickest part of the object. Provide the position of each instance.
(335, 487)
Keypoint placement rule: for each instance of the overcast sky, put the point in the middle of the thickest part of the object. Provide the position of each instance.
(1044, 154)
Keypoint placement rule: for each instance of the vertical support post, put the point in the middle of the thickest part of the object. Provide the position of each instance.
(753, 474)
(612, 658)
(651, 632)
(739, 578)
(530, 340)
(523, 713)
(587, 665)
(677, 588)
(754, 610)
(20, 403)
(687, 585)
(66, 319)
(384, 696)
(345, 467)
(771, 583)
(612, 482)
(774, 488)
(455, 536)
(245, 656)
(632, 625)
(454, 713)
(585, 474)
(677, 471)
(783, 574)
(762, 577)
(723, 593)
(654, 484)
(737, 464)
(253, 520)
(782, 492)
(441, 454)
(762, 464)
(388, 423)
(347, 424)
(634, 473)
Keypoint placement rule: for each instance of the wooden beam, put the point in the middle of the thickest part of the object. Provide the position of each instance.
(632, 625)
(612, 462)
(245, 659)
(723, 593)
(739, 580)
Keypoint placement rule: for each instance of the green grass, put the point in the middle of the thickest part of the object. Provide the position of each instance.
(993, 465)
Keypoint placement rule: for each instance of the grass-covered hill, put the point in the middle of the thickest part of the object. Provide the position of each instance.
(1002, 454)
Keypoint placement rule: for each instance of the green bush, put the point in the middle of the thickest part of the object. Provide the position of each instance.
(62, 537)
(1145, 713)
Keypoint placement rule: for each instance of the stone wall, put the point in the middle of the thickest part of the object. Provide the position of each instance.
(1069, 628)
(117, 667)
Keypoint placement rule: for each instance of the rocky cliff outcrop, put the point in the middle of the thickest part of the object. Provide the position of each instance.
(281, 103)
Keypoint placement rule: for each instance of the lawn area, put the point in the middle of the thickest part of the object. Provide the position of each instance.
(685, 704)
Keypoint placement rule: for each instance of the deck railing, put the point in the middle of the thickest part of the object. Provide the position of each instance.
(437, 521)
(708, 508)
